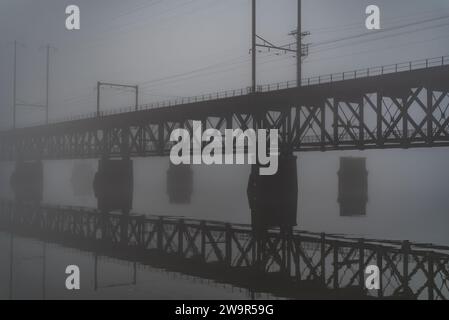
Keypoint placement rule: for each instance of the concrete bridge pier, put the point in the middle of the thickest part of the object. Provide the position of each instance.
(273, 201)
(27, 182)
(179, 183)
(113, 188)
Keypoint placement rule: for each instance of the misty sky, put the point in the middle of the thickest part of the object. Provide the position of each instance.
(175, 48)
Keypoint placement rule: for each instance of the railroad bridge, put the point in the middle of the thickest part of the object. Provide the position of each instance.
(397, 106)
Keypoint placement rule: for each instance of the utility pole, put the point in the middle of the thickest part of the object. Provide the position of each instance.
(98, 98)
(16, 103)
(253, 49)
(48, 84)
(299, 47)
(137, 98)
(14, 86)
(44, 270)
(11, 264)
(116, 85)
(258, 42)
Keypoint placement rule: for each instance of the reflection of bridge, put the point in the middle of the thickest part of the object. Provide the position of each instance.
(298, 265)
(398, 106)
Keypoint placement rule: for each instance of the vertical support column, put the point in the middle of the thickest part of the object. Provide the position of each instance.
(336, 266)
(95, 271)
(286, 235)
(361, 121)
(128, 172)
(405, 105)
(289, 251)
(323, 124)
(379, 115)
(160, 235)
(352, 186)
(429, 115)
(11, 265)
(431, 276)
(113, 187)
(48, 85)
(380, 266)
(137, 98)
(253, 47)
(283, 267)
(203, 240)
(299, 46)
(362, 264)
(179, 183)
(98, 98)
(27, 182)
(405, 267)
(181, 227)
(273, 202)
(323, 258)
(336, 106)
(297, 257)
(228, 244)
(14, 111)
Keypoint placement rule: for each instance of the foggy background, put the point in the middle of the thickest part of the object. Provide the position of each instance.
(181, 48)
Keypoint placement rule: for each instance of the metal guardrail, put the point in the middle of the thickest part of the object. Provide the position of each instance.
(316, 80)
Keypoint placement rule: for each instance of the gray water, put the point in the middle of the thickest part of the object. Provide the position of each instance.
(408, 194)
(115, 277)
(408, 199)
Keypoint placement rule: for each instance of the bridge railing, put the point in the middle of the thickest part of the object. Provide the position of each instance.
(359, 73)
(315, 80)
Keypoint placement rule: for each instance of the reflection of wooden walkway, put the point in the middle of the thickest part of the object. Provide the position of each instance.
(298, 265)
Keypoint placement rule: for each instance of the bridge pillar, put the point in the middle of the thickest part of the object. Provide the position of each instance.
(113, 188)
(27, 182)
(273, 201)
(179, 183)
(81, 179)
(352, 186)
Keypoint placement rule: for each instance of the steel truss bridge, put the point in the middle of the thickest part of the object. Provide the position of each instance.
(397, 106)
(230, 253)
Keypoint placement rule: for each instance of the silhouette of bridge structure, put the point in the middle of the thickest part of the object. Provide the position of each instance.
(397, 106)
(299, 265)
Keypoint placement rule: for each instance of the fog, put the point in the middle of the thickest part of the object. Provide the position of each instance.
(182, 48)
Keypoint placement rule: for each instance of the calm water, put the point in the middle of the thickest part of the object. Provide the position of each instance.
(408, 199)
(408, 193)
(115, 277)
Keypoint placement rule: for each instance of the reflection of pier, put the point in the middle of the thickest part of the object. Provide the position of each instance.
(389, 107)
(297, 265)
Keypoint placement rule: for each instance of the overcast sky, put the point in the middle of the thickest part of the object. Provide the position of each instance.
(175, 48)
